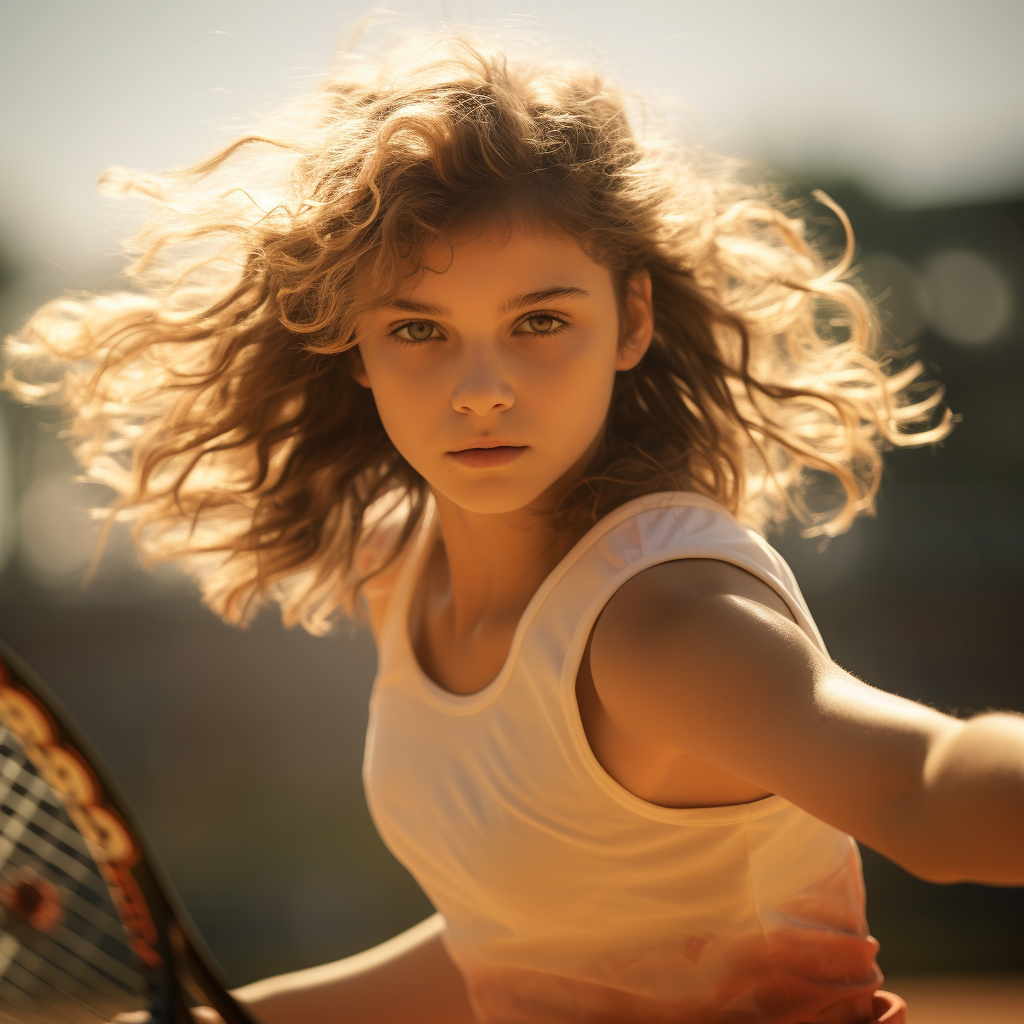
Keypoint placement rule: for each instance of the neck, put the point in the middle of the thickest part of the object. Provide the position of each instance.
(493, 563)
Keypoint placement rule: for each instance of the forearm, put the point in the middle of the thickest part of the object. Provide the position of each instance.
(407, 980)
(967, 824)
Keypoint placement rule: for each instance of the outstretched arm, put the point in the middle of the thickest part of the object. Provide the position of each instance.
(695, 657)
(408, 978)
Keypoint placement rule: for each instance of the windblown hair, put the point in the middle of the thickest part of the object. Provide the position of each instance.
(217, 400)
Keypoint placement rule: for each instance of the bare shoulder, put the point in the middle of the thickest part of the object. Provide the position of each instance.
(704, 659)
(683, 584)
(685, 644)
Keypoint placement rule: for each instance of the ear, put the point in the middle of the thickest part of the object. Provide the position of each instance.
(639, 319)
(357, 368)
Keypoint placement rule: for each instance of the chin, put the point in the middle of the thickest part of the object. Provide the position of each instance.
(490, 500)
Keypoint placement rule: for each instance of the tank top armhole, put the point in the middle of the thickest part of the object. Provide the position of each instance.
(724, 814)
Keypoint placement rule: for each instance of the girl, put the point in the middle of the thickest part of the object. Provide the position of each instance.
(450, 345)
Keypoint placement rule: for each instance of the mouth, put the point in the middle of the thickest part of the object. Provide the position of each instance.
(486, 454)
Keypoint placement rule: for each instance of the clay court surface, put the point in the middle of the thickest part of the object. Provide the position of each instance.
(965, 1000)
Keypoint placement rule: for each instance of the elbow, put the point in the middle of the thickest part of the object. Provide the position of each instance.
(962, 818)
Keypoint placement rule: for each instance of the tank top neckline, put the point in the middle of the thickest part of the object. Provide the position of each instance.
(399, 633)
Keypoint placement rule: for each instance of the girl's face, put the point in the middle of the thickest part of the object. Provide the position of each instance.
(493, 371)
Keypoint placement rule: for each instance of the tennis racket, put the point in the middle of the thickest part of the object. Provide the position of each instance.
(89, 925)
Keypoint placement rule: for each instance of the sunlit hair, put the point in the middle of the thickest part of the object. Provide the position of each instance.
(217, 399)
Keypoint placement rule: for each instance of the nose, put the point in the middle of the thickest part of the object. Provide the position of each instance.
(483, 386)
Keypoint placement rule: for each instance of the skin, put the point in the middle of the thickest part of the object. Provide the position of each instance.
(697, 688)
(538, 375)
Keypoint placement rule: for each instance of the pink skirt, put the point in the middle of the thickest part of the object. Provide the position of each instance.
(888, 1008)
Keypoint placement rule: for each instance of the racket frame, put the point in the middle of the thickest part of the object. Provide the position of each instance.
(173, 958)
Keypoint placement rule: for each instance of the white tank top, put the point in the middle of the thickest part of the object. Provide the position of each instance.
(566, 897)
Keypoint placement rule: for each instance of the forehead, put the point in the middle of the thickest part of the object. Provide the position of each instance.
(491, 259)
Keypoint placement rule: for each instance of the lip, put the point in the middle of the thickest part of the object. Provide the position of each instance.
(485, 456)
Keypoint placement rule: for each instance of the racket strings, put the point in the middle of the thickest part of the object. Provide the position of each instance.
(80, 969)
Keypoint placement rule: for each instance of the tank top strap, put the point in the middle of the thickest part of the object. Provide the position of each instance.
(656, 528)
(646, 531)
(498, 807)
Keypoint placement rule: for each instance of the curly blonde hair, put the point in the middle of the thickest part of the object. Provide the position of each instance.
(217, 400)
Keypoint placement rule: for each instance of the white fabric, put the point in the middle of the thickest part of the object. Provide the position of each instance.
(567, 898)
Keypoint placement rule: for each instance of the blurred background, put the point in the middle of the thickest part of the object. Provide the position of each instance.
(241, 750)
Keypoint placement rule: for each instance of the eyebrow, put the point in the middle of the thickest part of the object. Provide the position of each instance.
(517, 302)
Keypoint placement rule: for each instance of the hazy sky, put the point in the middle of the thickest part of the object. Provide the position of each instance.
(922, 101)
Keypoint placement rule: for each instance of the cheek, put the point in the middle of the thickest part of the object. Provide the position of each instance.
(413, 399)
(575, 399)
(570, 407)
(404, 405)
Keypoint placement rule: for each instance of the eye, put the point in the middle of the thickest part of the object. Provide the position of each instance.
(415, 330)
(542, 323)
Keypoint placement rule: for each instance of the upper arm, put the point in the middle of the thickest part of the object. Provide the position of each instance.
(693, 657)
